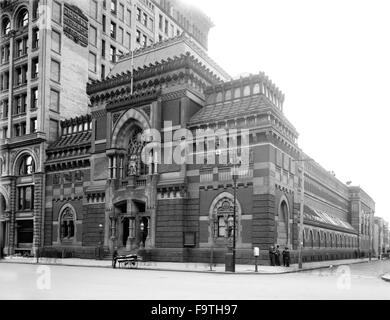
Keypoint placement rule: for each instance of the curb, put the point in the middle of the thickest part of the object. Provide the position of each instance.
(196, 271)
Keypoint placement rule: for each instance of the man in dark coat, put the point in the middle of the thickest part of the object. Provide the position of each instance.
(286, 257)
(277, 256)
(272, 255)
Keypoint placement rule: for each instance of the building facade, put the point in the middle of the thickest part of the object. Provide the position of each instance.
(161, 154)
(49, 51)
(182, 210)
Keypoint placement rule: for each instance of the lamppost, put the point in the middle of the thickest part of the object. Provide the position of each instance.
(302, 201)
(214, 234)
(101, 241)
(234, 219)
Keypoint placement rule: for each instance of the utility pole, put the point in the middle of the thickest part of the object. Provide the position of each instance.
(302, 201)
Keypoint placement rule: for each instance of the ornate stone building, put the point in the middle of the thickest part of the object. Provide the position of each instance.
(134, 173)
(181, 211)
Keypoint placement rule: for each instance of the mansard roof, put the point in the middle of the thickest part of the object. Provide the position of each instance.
(153, 70)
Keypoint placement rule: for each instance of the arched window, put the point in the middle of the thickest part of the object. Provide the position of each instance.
(26, 165)
(256, 89)
(325, 240)
(5, 26)
(135, 164)
(319, 239)
(247, 91)
(219, 97)
(67, 224)
(228, 95)
(237, 93)
(331, 240)
(283, 211)
(22, 19)
(337, 241)
(304, 238)
(311, 239)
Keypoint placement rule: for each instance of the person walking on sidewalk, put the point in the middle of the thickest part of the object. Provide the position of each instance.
(272, 255)
(286, 257)
(277, 255)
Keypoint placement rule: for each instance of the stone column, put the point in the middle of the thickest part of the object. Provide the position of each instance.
(12, 221)
(38, 210)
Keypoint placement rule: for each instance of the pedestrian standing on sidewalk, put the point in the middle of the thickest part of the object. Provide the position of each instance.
(272, 255)
(286, 257)
(277, 256)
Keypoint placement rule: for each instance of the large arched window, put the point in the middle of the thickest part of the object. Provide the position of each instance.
(311, 239)
(325, 240)
(22, 19)
(223, 215)
(135, 164)
(319, 239)
(67, 223)
(5, 26)
(26, 166)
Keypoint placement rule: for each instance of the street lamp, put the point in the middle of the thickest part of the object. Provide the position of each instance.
(101, 240)
(234, 220)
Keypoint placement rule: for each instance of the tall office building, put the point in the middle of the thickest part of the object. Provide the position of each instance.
(49, 51)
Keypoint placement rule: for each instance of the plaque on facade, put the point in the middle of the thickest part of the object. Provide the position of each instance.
(75, 25)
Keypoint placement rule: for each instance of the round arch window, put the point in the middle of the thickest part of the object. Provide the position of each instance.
(22, 20)
(27, 166)
(5, 26)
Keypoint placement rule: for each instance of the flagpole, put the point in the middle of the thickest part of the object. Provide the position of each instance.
(132, 71)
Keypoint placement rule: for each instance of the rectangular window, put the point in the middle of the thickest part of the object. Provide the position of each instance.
(145, 19)
(56, 12)
(138, 39)
(55, 71)
(26, 198)
(128, 17)
(144, 41)
(35, 40)
(112, 54)
(54, 100)
(33, 125)
(5, 53)
(34, 98)
(35, 68)
(113, 6)
(4, 109)
(92, 62)
(166, 27)
(92, 35)
(93, 9)
(160, 21)
(151, 24)
(121, 12)
(104, 23)
(103, 72)
(120, 35)
(103, 48)
(55, 41)
(139, 14)
(113, 30)
(128, 40)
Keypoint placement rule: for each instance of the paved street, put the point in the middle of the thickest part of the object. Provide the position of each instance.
(358, 281)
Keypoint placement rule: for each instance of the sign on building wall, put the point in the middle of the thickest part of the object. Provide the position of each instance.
(75, 25)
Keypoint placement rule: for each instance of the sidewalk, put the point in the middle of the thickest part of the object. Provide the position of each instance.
(185, 267)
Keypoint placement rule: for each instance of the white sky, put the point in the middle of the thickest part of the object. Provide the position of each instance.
(332, 60)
